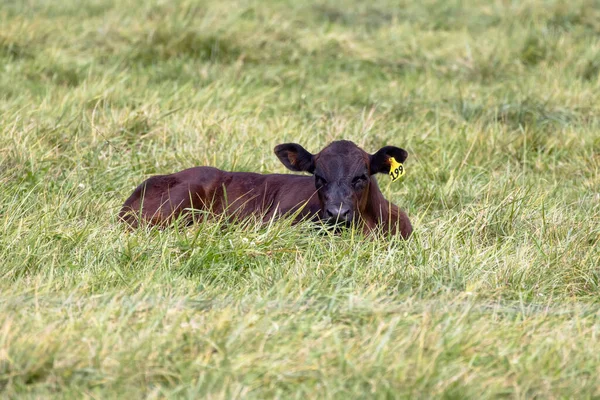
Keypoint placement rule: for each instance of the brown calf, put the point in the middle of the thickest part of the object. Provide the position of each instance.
(341, 190)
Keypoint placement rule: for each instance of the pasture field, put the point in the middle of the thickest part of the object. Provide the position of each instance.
(495, 295)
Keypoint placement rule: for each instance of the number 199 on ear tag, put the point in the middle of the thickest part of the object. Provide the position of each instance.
(396, 169)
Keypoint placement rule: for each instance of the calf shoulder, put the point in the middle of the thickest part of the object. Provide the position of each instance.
(384, 216)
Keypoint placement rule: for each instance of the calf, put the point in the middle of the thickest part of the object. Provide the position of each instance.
(341, 190)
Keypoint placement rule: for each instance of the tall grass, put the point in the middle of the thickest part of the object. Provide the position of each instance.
(496, 294)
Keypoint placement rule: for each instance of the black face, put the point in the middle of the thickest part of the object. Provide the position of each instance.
(342, 188)
(342, 173)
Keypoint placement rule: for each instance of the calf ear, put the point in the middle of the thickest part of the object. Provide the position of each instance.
(380, 161)
(295, 157)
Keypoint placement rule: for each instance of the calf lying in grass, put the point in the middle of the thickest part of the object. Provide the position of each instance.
(341, 191)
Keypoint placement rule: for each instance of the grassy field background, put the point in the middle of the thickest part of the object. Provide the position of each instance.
(496, 294)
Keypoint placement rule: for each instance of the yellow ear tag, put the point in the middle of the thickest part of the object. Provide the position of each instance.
(396, 169)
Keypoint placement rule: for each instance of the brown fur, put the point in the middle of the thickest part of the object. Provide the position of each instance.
(162, 198)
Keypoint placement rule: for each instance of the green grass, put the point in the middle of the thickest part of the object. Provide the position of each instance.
(495, 295)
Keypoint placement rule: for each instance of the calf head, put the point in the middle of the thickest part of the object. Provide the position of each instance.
(342, 172)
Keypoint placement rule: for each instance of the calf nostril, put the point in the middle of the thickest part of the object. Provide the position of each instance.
(341, 213)
(331, 213)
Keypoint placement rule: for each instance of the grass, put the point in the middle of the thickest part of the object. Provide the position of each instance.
(495, 295)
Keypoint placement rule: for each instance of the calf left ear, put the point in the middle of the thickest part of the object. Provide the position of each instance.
(380, 161)
(295, 157)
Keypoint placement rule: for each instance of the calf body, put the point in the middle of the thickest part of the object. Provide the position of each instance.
(341, 190)
(162, 198)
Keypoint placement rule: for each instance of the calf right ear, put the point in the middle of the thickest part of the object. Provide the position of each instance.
(295, 157)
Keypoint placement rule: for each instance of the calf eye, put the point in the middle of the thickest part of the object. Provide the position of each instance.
(320, 181)
(359, 181)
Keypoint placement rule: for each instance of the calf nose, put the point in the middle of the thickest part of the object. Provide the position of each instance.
(341, 213)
